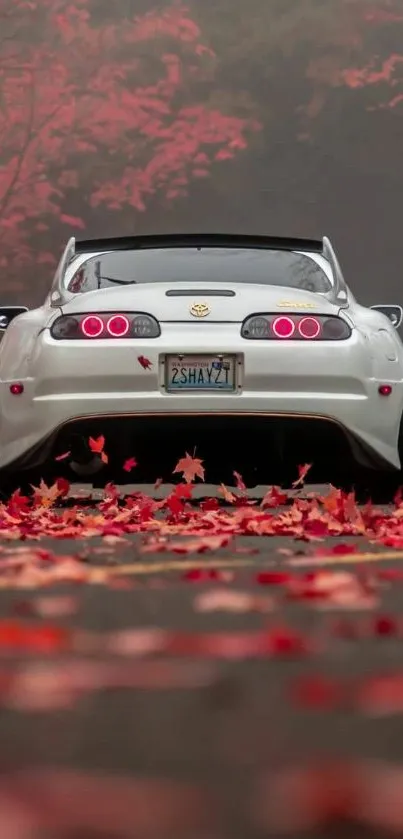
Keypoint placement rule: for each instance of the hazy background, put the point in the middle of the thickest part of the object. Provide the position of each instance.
(278, 116)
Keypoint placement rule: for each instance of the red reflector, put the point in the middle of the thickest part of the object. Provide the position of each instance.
(309, 328)
(92, 326)
(118, 326)
(385, 390)
(16, 389)
(283, 327)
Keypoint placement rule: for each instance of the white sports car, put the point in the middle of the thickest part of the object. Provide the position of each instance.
(221, 338)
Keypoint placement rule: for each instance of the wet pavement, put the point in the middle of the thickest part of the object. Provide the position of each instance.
(253, 689)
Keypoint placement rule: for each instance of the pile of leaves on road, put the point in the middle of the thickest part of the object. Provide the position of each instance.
(121, 536)
(52, 511)
(311, 517)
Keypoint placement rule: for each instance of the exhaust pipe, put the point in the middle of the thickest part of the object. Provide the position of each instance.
(84, 462)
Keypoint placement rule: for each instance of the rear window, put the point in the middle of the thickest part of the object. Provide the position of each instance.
(210, 265)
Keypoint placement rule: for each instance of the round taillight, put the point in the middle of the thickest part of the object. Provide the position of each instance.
(17, 388)
(118, 326)
(385, 390)
(92, 326)
(283, 327)
(309, 328)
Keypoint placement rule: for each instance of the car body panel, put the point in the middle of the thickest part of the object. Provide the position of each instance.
(65, 380)
(166, 309)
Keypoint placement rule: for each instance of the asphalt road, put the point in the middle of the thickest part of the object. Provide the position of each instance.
(249, 690)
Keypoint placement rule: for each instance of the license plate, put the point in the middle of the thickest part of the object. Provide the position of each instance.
(200, 372)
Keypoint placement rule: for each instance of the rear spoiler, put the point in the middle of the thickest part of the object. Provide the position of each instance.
(75, 247)
(190, 240)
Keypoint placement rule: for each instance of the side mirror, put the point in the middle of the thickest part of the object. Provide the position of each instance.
(8, 313)
(393, 313)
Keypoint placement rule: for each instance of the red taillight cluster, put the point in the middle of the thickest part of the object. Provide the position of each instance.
(108, 325)
(117, 326)
(286, 327)
(295, 327)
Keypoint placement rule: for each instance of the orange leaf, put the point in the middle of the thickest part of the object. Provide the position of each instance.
(45, 496)
(191, 467)
(228, 496)
(96, 445)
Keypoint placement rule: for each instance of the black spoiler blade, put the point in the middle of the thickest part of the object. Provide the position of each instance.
(186, 240)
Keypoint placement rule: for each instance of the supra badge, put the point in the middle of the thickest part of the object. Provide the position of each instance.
(199, 310)
(292, 304)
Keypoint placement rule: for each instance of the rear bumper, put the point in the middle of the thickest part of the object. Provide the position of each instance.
(274, 437)
(73, 382)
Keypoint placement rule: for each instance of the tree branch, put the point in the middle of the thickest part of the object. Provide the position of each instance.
(25, 146)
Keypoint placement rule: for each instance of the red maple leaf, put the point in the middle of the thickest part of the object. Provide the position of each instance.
(63, 486)
(129, 464)
(191, 467)
(145, 362)
(302, 473)
(274, 497)
(381, 695)
(183, 491)
(175, 505)
(97, 446)
(17, 504)
(318, 692)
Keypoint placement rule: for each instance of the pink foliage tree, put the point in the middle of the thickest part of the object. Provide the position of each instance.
(99, 115)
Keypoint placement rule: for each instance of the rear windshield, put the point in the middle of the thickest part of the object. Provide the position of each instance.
(187, 265)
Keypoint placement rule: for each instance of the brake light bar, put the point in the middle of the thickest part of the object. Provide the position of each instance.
(110, 325)
(274, 327)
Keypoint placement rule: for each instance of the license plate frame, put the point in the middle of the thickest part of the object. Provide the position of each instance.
(225, 377)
